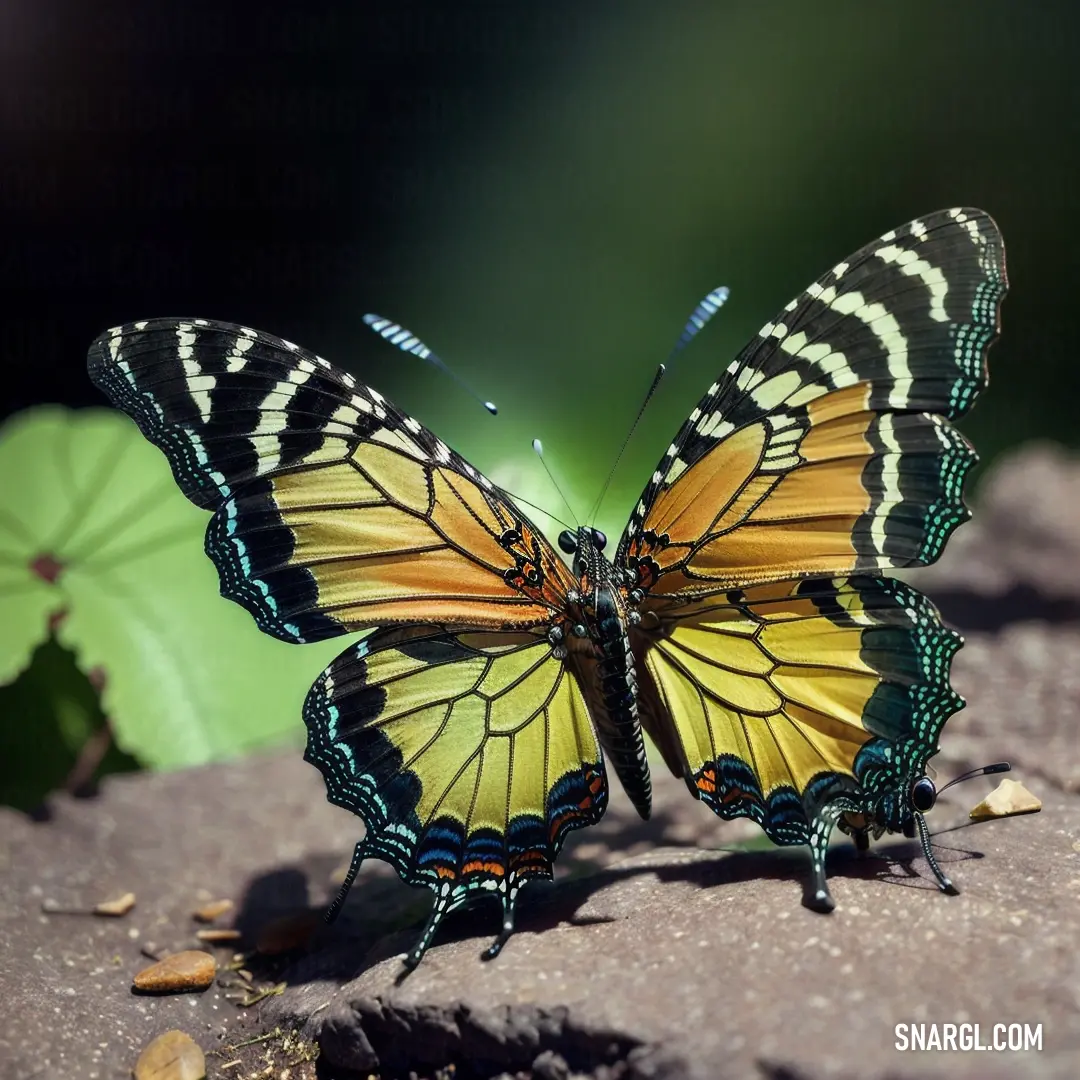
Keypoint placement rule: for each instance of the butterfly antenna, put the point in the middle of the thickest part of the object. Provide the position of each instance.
(408, 342)
(538, 446)
(699, 318)
(543, 510)
(986, 770)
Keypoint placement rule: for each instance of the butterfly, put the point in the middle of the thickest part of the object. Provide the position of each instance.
(743, 621)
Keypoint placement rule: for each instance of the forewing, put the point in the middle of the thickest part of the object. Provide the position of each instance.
(333, 510)
(772, 700)
(825, 448)
(469, 756)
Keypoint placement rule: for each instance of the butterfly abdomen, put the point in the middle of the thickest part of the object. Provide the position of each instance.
(621, 733)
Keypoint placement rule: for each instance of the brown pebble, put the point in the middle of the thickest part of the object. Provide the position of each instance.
(120, 906)
(212, 911)
(172, 1056)
(287, 933)
(1008, 799)
(188, 970)
(218, 937)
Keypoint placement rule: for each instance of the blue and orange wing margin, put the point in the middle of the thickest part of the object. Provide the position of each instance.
(469, 756)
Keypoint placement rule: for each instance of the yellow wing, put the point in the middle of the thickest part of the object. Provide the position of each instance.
(825, 449)
(780, 684)
(776, 699)
(333, 510)
(469, 757)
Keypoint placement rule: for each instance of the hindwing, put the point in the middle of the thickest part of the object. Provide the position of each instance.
(774, 699)
(469, 757)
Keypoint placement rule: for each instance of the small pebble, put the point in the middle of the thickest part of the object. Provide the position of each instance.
(209, 912)
(218, 937)
(1008, 799)
(120, 906)
(188, 970)
(172, 1056)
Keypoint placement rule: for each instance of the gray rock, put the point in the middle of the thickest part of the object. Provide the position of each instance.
(666, 949)
(704, 964)
(550, 1066)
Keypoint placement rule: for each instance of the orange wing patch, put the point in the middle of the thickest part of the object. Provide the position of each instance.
(846, 396)
(780, 498)
(388, 537)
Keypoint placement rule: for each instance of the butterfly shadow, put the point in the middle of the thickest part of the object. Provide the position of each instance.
(973, 611)
(384, 915)
(896, 861)
(548, 905)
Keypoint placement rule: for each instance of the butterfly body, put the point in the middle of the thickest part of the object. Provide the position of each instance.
(746, 623)
(602, 639)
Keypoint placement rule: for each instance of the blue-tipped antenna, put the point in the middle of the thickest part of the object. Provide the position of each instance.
(408, 342)
(538, 449)
(708, 307)
(710, 304)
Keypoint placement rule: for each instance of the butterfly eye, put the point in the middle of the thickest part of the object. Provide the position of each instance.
(924, 795)
(599, 539)
(568, 541)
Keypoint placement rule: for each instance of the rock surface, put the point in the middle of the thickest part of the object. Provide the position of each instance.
(659, 953)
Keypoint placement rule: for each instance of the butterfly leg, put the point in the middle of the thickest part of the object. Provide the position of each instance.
(944, 883)
(443, 903)
(822, 828)
(507, 926)
(360, 853)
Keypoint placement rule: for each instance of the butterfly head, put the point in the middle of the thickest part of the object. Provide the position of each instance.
(921, 799)
(895, 810)
(586, 545)
(596, 598)
(901, 811)
(924, 794)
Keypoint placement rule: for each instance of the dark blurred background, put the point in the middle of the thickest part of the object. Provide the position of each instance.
(540, 191)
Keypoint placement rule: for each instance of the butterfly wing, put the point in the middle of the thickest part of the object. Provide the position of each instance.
(469, 756)
(333, 510)
(824, 448)
(781, 697)
(783, 682)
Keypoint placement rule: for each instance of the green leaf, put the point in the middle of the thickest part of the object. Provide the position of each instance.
(51, 712)
(96, 540)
